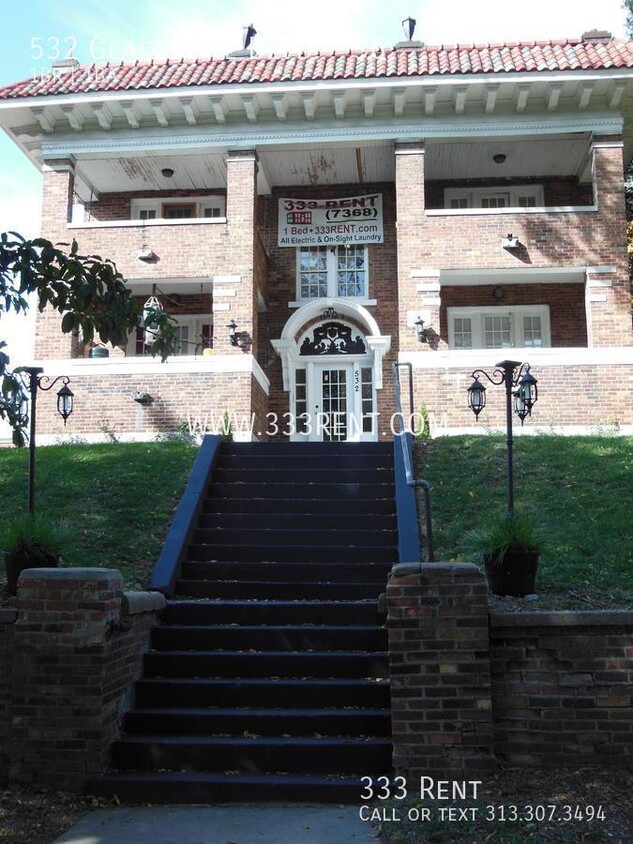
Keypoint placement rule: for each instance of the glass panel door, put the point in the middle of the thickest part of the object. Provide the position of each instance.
(334, 404)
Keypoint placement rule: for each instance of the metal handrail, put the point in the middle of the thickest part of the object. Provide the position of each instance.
(407, 450)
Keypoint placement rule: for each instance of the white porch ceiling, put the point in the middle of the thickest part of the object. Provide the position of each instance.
(308, 166)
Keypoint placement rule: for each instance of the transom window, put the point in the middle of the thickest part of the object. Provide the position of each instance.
(331, 271)
(499, 328)
(513, 196)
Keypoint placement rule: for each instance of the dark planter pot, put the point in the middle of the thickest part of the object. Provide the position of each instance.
(99, 352)
(15, 563)
(515, 575)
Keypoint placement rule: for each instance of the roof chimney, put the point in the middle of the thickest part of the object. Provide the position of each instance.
(596, 35)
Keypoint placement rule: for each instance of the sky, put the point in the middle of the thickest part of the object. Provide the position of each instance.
(126, 30)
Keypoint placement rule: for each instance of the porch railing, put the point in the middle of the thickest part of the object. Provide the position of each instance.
(406, 442)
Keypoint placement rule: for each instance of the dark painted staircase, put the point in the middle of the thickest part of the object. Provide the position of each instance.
(268, 678)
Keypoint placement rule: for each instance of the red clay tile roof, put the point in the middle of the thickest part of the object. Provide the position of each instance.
(444, 60)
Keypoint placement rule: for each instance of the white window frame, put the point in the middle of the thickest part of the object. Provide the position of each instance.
(332, 277)
(193, 322)
(474, 197)
(201, 204)
(516, 314)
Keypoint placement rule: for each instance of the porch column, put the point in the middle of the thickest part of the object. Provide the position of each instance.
(235, 293)
(415, 277)
(608, 293)
(57, 198)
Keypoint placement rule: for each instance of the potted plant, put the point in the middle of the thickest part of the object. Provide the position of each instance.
(33, 541)
(510, 549)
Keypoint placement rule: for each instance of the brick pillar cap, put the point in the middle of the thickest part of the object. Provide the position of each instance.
(92, 574)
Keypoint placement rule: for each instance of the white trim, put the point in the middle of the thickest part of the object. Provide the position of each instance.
(545, 209)
(226, 279)
(141, 365)
(602, 269)
(368, 303)
(113, 224)
(566, 356)
(424, 272)
(300, 133)
(287, 349)
(370, 83)
(523, 275)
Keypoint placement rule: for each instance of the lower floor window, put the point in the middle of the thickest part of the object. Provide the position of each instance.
(499, 328)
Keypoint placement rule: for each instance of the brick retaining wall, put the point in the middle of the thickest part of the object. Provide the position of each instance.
(562, 687)
(73, 651)
(470, 687)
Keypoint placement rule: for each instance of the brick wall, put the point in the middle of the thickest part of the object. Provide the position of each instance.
(561, 687)
(471, 688)
(103, 402)
(7, 628)
(440, 670)
(576, 394)
(76, 650)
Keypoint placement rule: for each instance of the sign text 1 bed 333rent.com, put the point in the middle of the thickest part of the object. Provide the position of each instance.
(323, 222)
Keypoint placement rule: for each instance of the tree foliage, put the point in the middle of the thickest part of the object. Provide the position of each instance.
(627, 5)
(89, 292)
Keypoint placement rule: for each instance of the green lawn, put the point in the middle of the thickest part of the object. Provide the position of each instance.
(117, 499)
(579, 490)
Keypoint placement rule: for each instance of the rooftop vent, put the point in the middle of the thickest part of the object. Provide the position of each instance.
(408, 25)
(248, 33)
(596, 35)
(63, 66)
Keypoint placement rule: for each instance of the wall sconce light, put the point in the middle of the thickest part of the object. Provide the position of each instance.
(499, 158)
(167, 172)
(146, 254)
(143, 398)
(232, 326)
(510, 242)
(498, 292)
(421, 330)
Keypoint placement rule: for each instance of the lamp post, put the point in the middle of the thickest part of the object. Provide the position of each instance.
(520, 384)
(64, 408)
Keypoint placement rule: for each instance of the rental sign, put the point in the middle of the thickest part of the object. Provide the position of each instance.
(324, 222)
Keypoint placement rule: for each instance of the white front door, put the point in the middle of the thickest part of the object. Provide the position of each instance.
(335, 401)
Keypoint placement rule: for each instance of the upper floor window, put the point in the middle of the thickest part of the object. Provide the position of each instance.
(179, 209)
(526, 326)
(194, 334)
(324, 271)
(512, 196)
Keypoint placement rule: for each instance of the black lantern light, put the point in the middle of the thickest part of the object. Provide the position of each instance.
(232, 326)
(421, 330)
(65, 402)
(512, 374)
(476, 397)
(526, 395)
